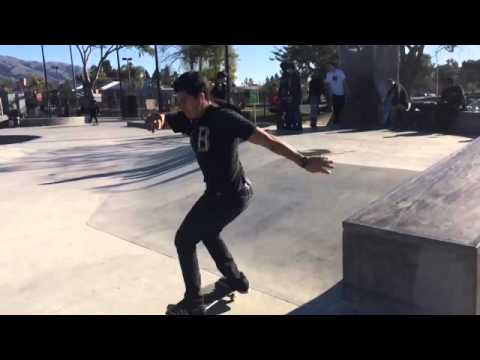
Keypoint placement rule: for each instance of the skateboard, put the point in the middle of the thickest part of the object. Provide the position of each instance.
(216, 298)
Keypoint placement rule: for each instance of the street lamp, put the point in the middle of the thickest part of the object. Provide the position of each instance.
(56, 71)
(227, 70)
(74, 81)
(159, 88)
(129, 63)
(46, 81)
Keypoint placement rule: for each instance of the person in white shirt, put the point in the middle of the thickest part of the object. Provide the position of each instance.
(337, 88)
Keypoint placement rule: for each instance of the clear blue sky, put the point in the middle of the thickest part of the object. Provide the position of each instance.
(253, 59)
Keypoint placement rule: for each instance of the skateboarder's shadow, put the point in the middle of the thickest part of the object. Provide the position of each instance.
(219, 307)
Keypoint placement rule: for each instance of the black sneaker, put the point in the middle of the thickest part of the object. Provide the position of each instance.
(183, 308)
(241, 285)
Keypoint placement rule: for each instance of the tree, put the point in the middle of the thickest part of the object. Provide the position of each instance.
(166, 76)
(7, 84)
(248, 82)
(469, 76)
(137, 74)
(411, 62)
(271, 85)
(65, 93)
(449, 70)
(307, 58)
(88, 78)
(207, 59)
(424, 81)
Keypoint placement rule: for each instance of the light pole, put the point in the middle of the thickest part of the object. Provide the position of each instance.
(436, 73)
(120, 83)
(46, 81)
(159, 89)
(227, 70)
(74, 81)
(56, 71)
(101, 57)
(129, 63)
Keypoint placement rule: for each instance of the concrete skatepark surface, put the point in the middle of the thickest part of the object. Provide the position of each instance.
(289, 240)
(74, 194)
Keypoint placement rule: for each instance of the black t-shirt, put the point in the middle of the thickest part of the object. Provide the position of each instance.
(214, 139)
(454, 95)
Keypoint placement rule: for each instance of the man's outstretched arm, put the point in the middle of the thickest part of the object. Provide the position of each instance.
(310, 163)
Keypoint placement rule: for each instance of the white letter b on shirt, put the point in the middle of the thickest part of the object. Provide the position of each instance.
(203, 141)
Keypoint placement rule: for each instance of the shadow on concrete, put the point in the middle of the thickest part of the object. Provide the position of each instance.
(313, 152)
(87, 139)
(412, 134)
(161, 139)
(163, 162)
(333, 129)
(345, 300)
(129, 161)
(319, 129)
(15, 139)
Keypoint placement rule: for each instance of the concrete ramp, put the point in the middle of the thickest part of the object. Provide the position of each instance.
(419, 243)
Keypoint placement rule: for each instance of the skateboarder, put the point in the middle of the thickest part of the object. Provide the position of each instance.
(215, 133)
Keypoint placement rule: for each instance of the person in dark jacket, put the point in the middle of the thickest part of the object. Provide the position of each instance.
(315, 90)
(219, 91)
(451, 102)
(94, 110)
(396, 103)
(290, 94)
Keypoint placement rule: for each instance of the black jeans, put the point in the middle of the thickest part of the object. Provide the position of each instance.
(204, 222)
(92, 116)
(338, 103)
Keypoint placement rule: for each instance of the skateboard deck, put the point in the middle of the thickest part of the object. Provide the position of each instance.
(216, 299)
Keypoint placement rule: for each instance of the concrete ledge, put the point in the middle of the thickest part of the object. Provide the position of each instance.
(419, 243)
(45, 121)
(467, 123)
(137, 124)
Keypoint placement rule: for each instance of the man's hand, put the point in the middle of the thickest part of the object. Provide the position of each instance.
(319, 164)
(155, 122)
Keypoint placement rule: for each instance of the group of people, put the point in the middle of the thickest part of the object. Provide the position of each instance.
(397, 103)
(333, 87)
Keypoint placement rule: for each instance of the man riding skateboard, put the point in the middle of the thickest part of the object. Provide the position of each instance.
(215, 133)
